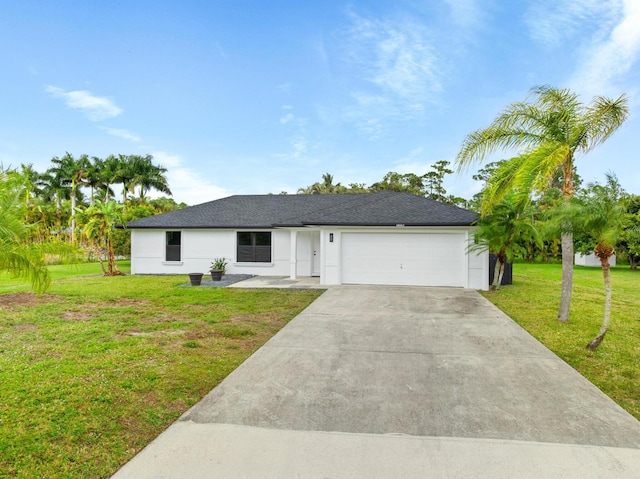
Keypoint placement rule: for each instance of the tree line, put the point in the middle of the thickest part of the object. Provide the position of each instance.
(73, 205)
(429, 185)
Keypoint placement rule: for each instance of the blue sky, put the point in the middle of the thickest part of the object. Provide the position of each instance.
(241, 97)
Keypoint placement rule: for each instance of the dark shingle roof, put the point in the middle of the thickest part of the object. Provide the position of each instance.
(385, 208)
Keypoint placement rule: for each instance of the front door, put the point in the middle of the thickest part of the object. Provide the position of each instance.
(315, 248)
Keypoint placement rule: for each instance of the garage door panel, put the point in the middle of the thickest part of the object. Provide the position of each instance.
(403, 259)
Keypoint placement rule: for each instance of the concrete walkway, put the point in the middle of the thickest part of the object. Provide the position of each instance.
(388, 382)
(280, 282)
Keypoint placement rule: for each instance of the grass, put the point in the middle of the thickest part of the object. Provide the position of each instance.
(97, 367)
(94, 369)
(533, 299)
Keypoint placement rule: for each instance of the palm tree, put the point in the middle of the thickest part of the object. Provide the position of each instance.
(599, 215)
(551, 131)
(506, 231)
(19, 256)
(97, 179)
(112, 165)
(122, 172)
(55, 188)
(326, 187)
(72, 172)
(32, 181)
(148, 176)
(99, 222)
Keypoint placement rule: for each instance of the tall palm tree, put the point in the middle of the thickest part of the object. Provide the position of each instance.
(72, 172)
(110, 175)
(55, 188)
(550, 130)
(32, 181)
(148, 176)
(97, 179)
(122, 172)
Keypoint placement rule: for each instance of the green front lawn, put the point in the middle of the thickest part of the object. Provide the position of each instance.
(532, 301)
(97, 367)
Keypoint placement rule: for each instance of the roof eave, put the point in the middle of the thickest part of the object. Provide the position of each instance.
(399, 225)
(200, 227)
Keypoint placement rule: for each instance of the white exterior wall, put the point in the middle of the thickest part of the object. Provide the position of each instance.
(591, 260)
(478, 267)
(198, 250)
(200, 247)
(330, 266)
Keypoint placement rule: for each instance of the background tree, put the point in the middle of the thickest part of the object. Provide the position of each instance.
(434, 180)
(147, 176)
(324, 187)
(430, 185)
(140, 208)
(408, 182)
(99, 222)
(71, 172)
(629, 241)
(97, 178)
(550, 130)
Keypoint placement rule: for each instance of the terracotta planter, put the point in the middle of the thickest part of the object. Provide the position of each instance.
(195, 278)
(216, 274)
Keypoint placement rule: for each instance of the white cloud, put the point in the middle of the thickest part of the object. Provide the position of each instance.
(395, 55)
(400, 69)
(95, 108)
(187, 185)
(554, 21)
(605, 63)
(122, 133)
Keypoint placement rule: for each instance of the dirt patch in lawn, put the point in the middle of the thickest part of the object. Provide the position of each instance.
(126, 302)
(16, 300)
(25, 327)
(77, 316)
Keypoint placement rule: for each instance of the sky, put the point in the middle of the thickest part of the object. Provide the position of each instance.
(256, 97)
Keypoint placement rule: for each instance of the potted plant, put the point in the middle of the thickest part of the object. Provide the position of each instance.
(218, 268)
(195, 278)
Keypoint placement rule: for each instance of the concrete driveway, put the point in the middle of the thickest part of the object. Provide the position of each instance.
(381, 381)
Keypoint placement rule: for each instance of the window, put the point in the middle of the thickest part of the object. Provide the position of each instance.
(174, 240)
(254, 247)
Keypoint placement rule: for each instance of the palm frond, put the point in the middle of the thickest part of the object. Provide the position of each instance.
(603, 118)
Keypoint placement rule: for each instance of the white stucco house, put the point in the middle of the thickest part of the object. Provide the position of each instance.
(591, 260)
(375, 238)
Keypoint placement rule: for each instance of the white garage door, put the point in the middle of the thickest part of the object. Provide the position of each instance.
(404, 259)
